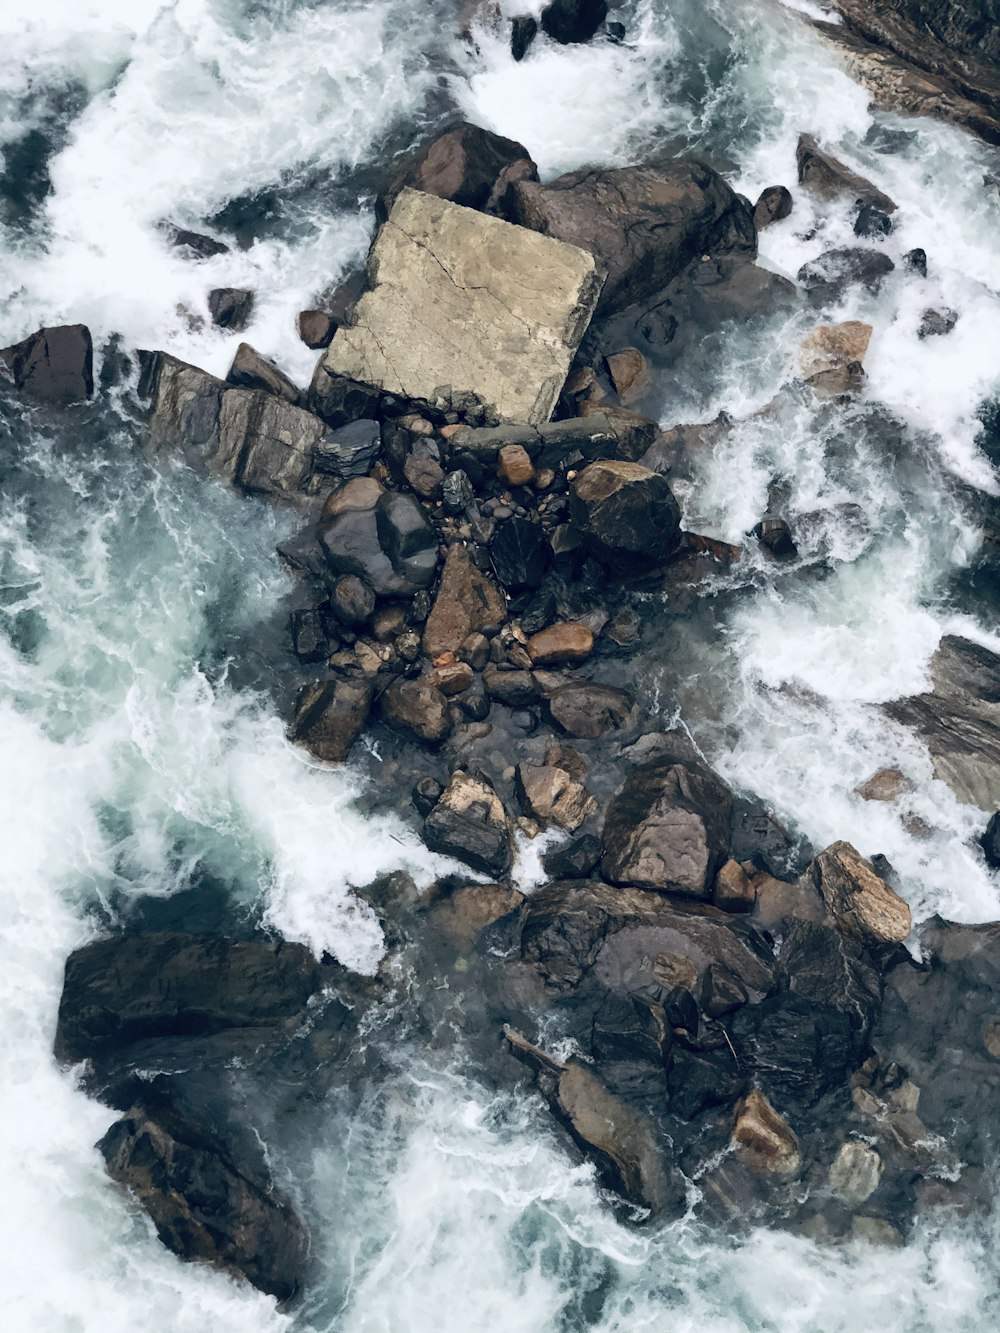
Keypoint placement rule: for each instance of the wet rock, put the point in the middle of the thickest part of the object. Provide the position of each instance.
(475, 650)
(466, 912)
(329, 717)
(915, 261)
(266, 444)
(872, 222)
(423, 472)
(458, 276)
(457, 492)
(937, 323)
(763, 1139)
(643, 225)
(990, 841)
(733, 890)
(887, 784)
(231, 308)
(860, 901)
(833, 273)
(196, 244)
(521, 554)
(572, 21)
(416, 709)
(339, 401)
(959, 720)
(382, 536)
(466, 165)
(625, 368)
(470, 823)
(516, 689)
(590, 711)
(855, 1173)
(523, 31)
(54, 366)
(467, 601)
(204, 1205)
(310, 642)
(575, 859)
(316, 328)
(551, 796)
(426, 794)
(823, 175)
(626, 516)
(561, 645)
(667, 829)
(352, 599)
(774, 205)
(250, 370)
(349, 451)
(775, 536)
(831, 357)
(514, 466)
(453, 678)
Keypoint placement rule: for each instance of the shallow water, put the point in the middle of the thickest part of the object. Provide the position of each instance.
(141, 758)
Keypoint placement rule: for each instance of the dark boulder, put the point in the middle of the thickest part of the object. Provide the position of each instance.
(339, 401)
(643, 225)
(523, 31)
(872, 222)
(573, 21)
(381, 536)
(204, 1205)
(196, 244)
(310, 641)
(590, 711)
(829, 277)
(470, 823)
(990, 842)
(775, 536)
(316, 328)
(937, 323)
(53, 366)
(349, 451)
(231, 308)
(774, 205)
(822, 174)
(352, 600)
(625, 514)
(465, 164)
(330, 715)
(915, 261)
(668, 829)
(575, 859)
(417, 710)
(521, 554)
(250, 370)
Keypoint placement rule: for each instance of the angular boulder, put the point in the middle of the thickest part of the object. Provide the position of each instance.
(763, 1139)
(549, 794)
(625, 514)
(54, 366)
(330, 715)
(381, 536)
(590, 711)
(858, 899)
(466, 165)
(827, 178)
(250, 370)
(467, 602)
(470, 823)
(417, 709)
(573, 21)
(486, 337)
(833, 273)
(668, 829)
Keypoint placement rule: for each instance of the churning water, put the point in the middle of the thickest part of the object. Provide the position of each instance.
(140, 758)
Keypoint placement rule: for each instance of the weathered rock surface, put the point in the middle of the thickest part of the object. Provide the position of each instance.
(416, 709)
(330, 715)
(466, 165)
(831, 358)
(467, 601)
(470, 823)
(774, 205)
(250, 370)
(959, 720)
(521, 554)
(53, 366)
(485, 334)
(823, 175)
(549, 794)
(382, 536)
(667, 829)
(829, 277)
(764, 1141)
(316, 328)
(590, 711)
(349, 451)
(203, 1205)
(625, 514)
(559, 645)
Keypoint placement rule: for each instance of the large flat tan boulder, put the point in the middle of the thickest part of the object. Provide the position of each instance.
(462, 307)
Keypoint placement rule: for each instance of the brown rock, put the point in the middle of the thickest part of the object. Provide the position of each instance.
(416, 709)
(888, 784)
(329, 717)
(774, 205)
(361, 493)
(453, 678)
(561, 644)
(822, 174)
(464, 915)
(855, 1173)
(626, 515)
(764, 1141)
(475, 650)
(316, 328)
(553, 797)
(424, 475)
(470, 823)
(831, 357)
(625, 367)
(590, 711)
(860, 901)
(466, 601)
(563, 756)
(514, 466)
(733, 890)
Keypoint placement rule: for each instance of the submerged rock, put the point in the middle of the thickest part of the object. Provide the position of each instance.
(829, 277)
(486, 338)
(831, 358)
(54, 366)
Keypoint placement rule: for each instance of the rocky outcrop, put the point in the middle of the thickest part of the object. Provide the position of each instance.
(625, 515)
(465, 164)
(205, 1206)
(858, 899)
(667, 829)
(485, 338)
(53, 366)
(959, 720)
(250, 370)
(329, 717)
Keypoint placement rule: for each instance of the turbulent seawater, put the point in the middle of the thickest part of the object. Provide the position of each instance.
(143, 755)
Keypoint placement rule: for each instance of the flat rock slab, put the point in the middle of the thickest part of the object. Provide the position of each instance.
(462, 306)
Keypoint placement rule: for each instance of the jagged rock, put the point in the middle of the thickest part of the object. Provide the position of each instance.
(380, 535)
(458, 276)
(457, 492)
(667, 829)
(514, 466)
(990, 841)
(832, 355)
(551, 796)
(559, 645)
(774, 205)
(423, 472)
(197, 244)
(467, 601)
(855, 1173)
(466, 165)
(575, 859)
(764, 1140)
(521, 554)
(330, 715)
(959, 720)
(915, 261)
(339, 401)
(267, 443)
(872, 221)
(624, 368)
(203, 1204)
(470, 823)
(591, 711)
(643, 225)
(824, 176)
(859, 899)
(250, 370)
(310, 641)
(734, 890)
(53, 366)
(937, 323)
(348, 451)
(316, 328)
(573, 21)
(626, 515)
(230, 308)
(416, 709)
(828, 277)
(523, 31)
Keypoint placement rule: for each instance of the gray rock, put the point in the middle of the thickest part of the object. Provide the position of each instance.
(590, 711)
(53, 366)
(457, 492)
(339, 401)
(267, 442)
(381, 536)
(833, 273)
(352, 599)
